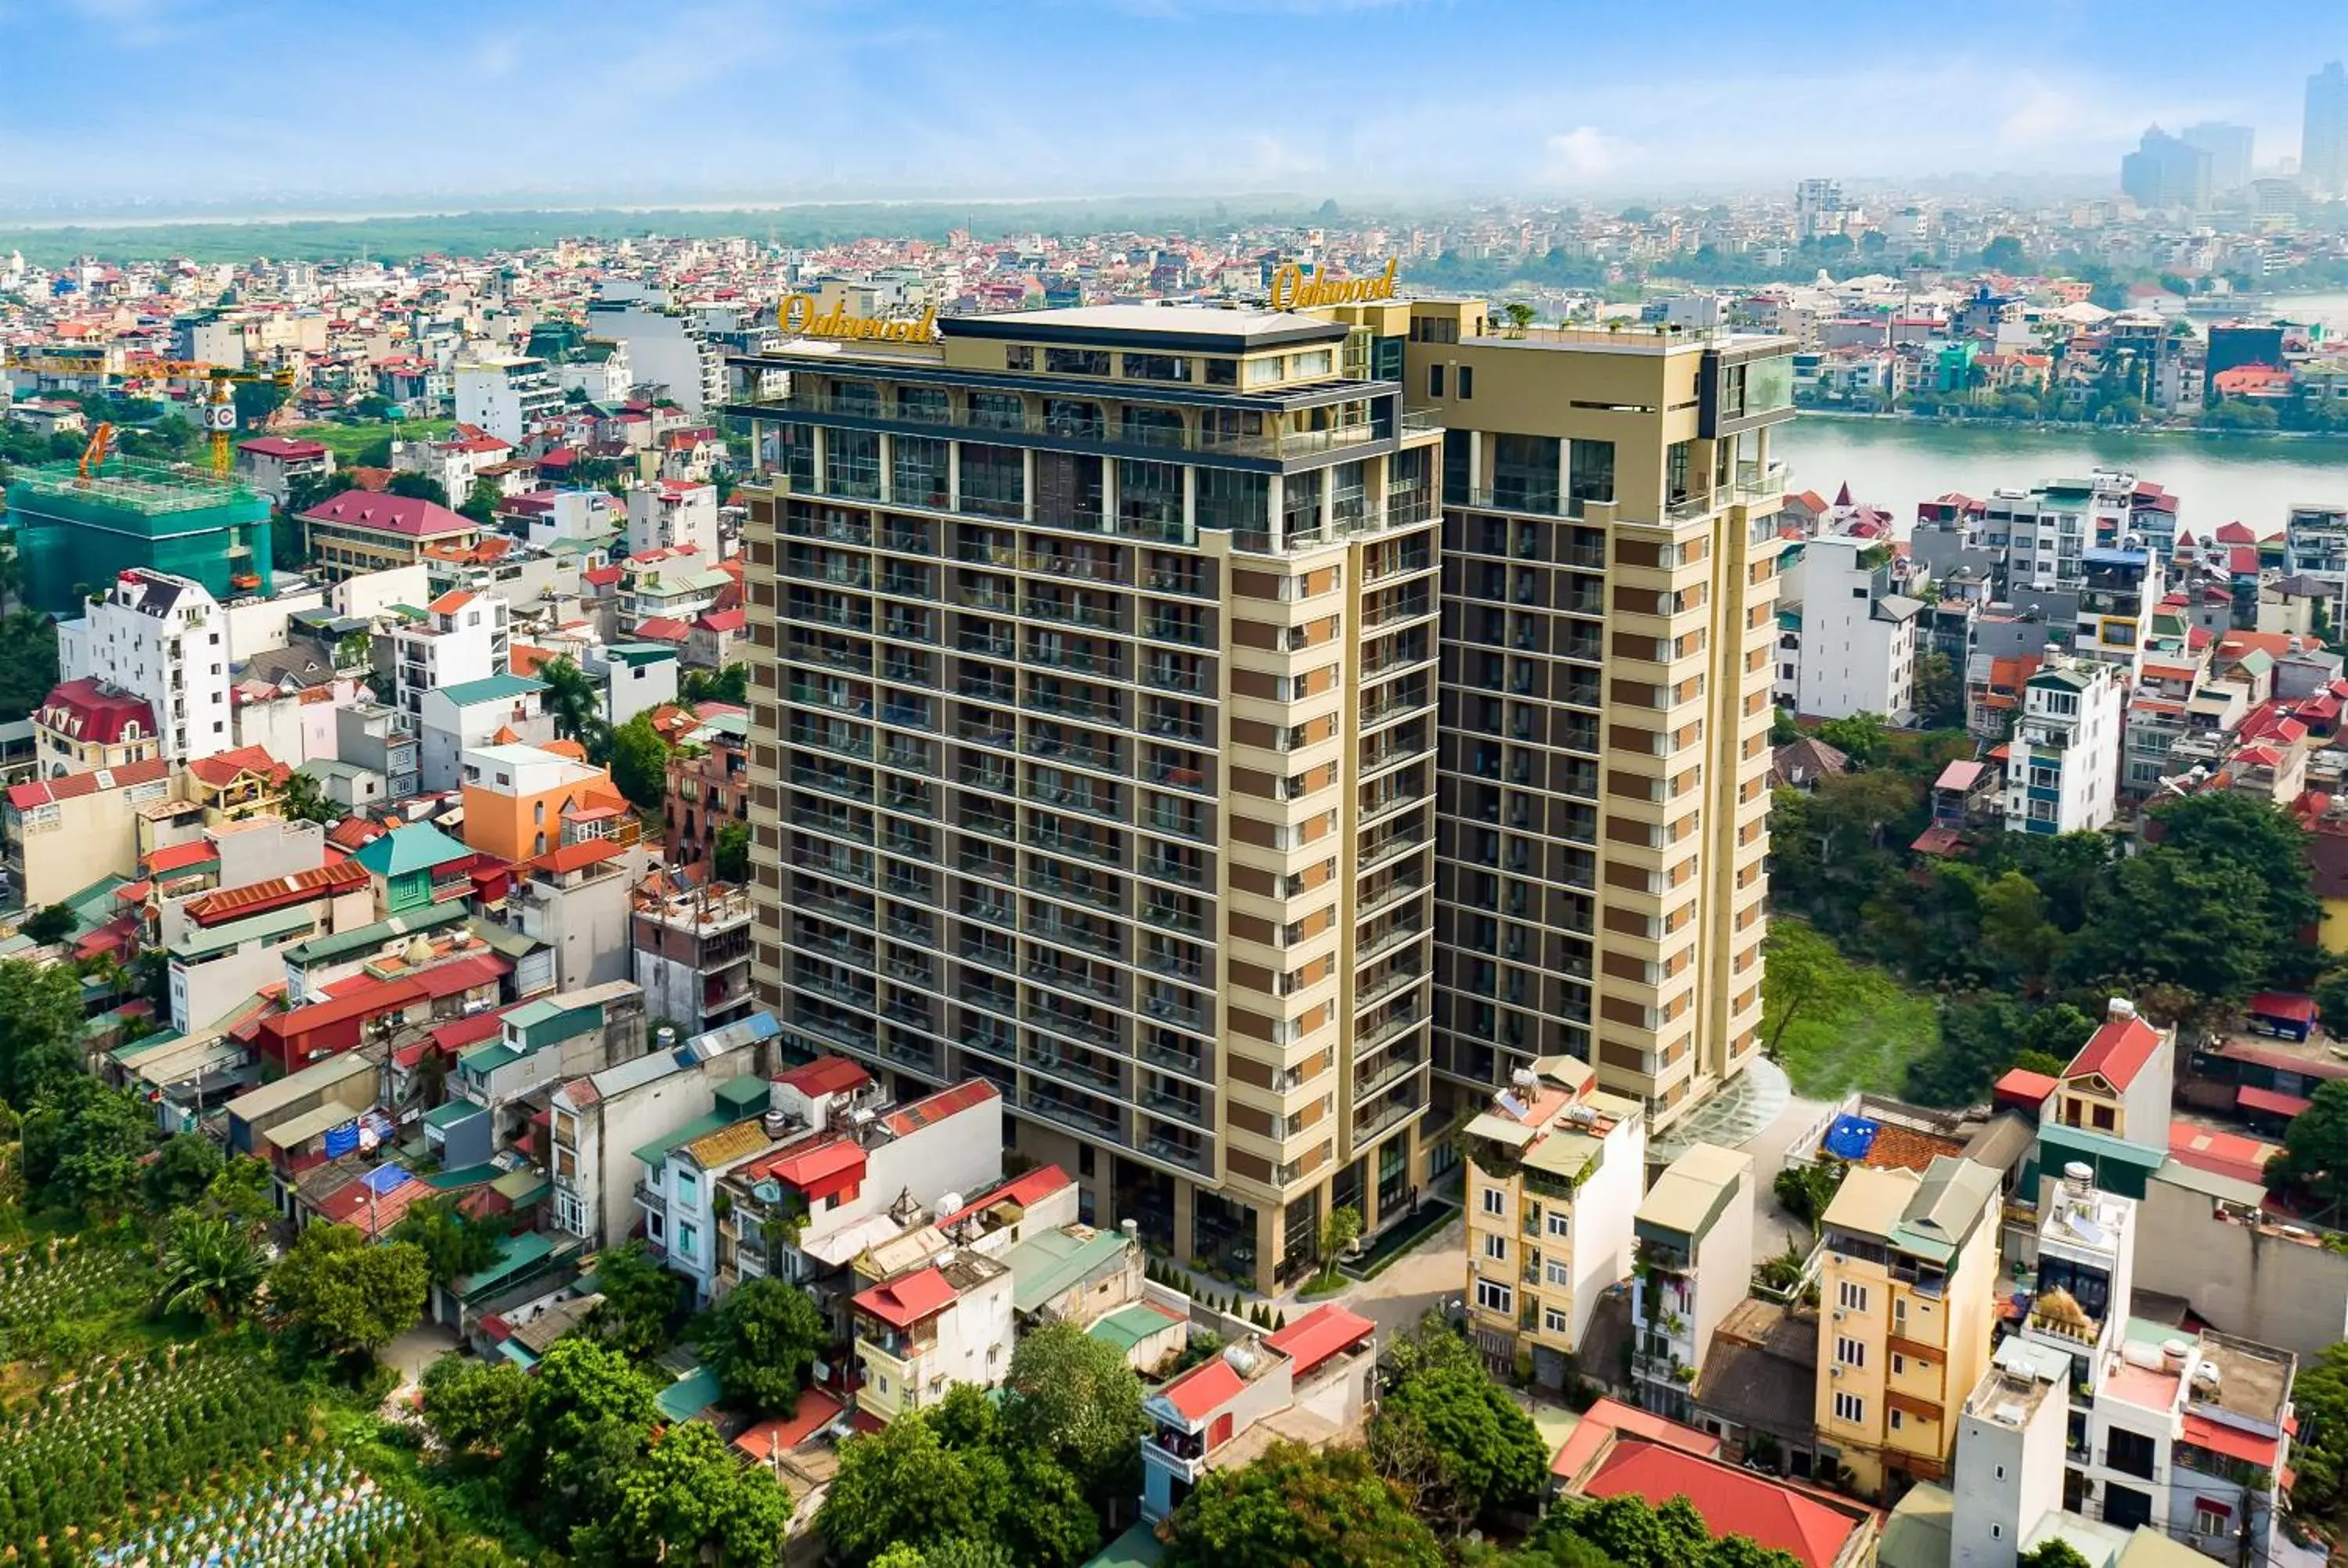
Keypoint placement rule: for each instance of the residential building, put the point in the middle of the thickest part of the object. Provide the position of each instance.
(271, 463)
(461, 638)
(667, 348)
(416, 867)
(362, 531)
(636, 677)
(546, 1041)
(2120, 1081)
(574, 898)
(2119, 590)
(2167, 171)
(692, 955)
(669, 513)
(60, 834)
(2323, 135)
(1907, 1298)
(1694, 1263)
(676, 583)
(1183, 924)
(1555, 1170)
(597, 1119)
(1846, 642)
(2011, 1437)
(1308, 1383)
(2062, 764)
(523, 801)
(1609, 582)
(232, 785)
(85, 723)
(381, 740)
(508, 395)
(501, 709)
(708, 780)
(945, 1322)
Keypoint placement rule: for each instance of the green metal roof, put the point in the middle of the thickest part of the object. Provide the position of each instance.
(463, 1176)
(366, 938)
(641, 652)
(656, 1152)
(1044, 1267)
(416, 848)
(489, 1057)
(515, 1254)
(1130, 1326)
(523, 1188)
(447, 1116)
(491, 689)
(1138, 1547)
(123, 1055)
(204, 941)
(689, 1395)
(745, 1096)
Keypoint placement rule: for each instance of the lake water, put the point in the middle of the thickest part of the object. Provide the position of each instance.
(2216, 479)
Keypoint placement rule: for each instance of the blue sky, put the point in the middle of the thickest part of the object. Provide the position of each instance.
(223, 99)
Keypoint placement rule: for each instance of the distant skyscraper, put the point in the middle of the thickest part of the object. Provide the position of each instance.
(2165, 172)
(1818, 208)
(2324, 141)
(2228, 147)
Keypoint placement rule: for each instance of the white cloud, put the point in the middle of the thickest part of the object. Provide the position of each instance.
(1585, 152)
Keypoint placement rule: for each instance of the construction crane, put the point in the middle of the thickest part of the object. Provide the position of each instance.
(219, 409)
(94, 456)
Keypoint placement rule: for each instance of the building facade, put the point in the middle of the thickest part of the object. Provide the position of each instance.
(164, 638)
(1093, 748)
(2062, 763)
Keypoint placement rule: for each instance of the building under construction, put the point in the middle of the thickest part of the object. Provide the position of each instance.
(75, 532)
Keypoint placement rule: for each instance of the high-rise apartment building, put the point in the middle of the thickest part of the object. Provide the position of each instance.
(2323, 137)
(1609, 579)
(2230, 149)
(2165, 171)
(1093, 691)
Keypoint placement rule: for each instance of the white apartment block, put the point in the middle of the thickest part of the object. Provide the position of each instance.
(1846, 642)
(163, 639)
(2062, 767)
(463, 637)
(506, 394)
(666, 348)
(672, 514)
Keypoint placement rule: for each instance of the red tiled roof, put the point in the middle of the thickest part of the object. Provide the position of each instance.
(662, 628)
(824, 1075)
(276, 893)
(2222, 1153)
(2270, 1100)
(223, 768)
(1203, 1389)
(1026, 1190)
(820, 1169)
(939, 1106)
(409, 514)
(724, 621)
(577, 856)
(904, 1301)
(1733, 1501)
(2231, 1442)
(89, 780)
(815, 1411)
(449, 979)
(1606, 1418)
(2021, 1086)
(282, 448)
(103, 713)
(179, 856)
(2286, 1005)
(1326, 1331)
(2116, 1052)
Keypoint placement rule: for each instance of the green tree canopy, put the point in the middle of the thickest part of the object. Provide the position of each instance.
(345, 1296)
(1864, 738)
(1803, 975)
(1448, 1437)
(1295, 1508)
(640, 1302)
(82, 1143)
(1073, 1398)
(589, 1418)
(686, 1501)
(453, 1245)
(1632, 1534)
(474, 1407)
(640, 764)
(417, 486)
(211, 1265)
(729, 856)
(2054, 1553)
(28, 662)
(186, 1164)
(761, 1340)
(40, 1026)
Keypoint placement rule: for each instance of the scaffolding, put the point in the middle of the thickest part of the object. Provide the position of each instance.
(76, 533)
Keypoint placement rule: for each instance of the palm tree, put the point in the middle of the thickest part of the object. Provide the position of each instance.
(571, 699)
(211, 1265)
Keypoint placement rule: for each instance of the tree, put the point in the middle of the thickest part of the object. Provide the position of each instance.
(1634, 1534)
(1802, 975)
(40, 1028)
(345, 1296)
(901, 1484)
(2052, 1553)
(1341, 1230)
(28, 662)
(211, 1265)
(686, 1501)
(1294, 1508)
(481, 502)
(417, 486)
(302, 800)
(453, 1245)
(2003, 255)
(187, 1163)
(1861, 737)
(1804, 1191)
(640, 1299)
(729, 856)
(590, 1416)
(573, 700)
(1521, 316)
(82, 1143)
(50, 924)
(761, 1341)
(2316, 1144)
(473, 1407)
(1940, 688)
(731, 684)
(2225, 827)
(2015, 932)
(1073, 1398)
(1450, 1437)
(640, 764)
(2167, 918)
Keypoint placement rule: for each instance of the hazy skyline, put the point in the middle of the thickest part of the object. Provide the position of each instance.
(206, 101)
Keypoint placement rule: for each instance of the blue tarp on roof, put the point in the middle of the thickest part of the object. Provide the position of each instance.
(341, 1140)
(1851, 1137)
(384, 1177)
